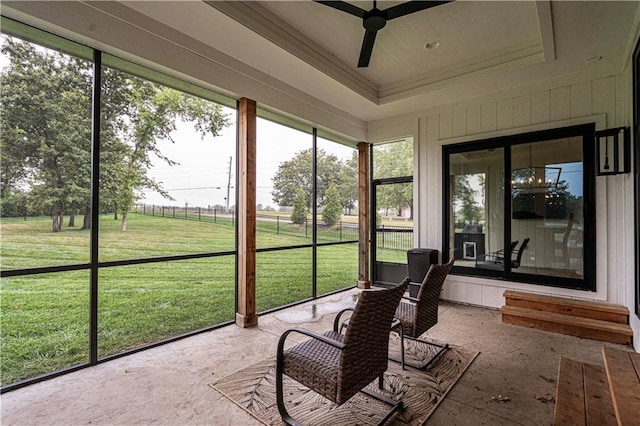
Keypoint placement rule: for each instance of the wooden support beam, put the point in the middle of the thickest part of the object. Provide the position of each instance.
(364, 208)
(246, 214)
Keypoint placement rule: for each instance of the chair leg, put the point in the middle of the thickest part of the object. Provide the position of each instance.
(395, 405)
(280, 385)
(397, 327)
(442, 348)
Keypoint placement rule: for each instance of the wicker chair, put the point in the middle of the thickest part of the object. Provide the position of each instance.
(338, 366)
(421, 312)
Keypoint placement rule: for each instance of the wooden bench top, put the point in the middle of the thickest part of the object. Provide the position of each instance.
(623, 370)
(583, 397)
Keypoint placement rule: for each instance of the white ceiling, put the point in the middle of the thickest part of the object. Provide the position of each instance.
(306, 53)
(484, 46)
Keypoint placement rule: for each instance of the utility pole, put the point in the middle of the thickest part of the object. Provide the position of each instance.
(228, 185)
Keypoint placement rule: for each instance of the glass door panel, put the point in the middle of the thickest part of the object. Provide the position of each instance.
(393, 235)
(476, 204)
(547, 207)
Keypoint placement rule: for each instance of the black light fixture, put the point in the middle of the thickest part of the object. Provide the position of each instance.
(613, 151)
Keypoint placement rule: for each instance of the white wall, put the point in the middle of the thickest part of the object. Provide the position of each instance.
(604, 101)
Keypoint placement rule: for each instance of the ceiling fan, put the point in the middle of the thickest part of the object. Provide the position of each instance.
(375, 19)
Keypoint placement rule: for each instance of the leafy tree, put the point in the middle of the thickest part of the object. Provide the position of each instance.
(296, 173)
(45, 128)
(332, 211)
(300, 210)
(465, 194)
(348, 178)
(45, 132)
(394, 160)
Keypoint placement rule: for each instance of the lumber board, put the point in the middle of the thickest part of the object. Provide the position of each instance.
(566, 324)
(624, 384)
(597, 397)
(581, 308)
(570, 402)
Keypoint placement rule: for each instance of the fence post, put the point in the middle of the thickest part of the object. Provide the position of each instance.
(277, 224)
(144, 209)
(174, 211)
(215, 215)
(305, 227)
(199, 214)
(341, 224)
(186, 210)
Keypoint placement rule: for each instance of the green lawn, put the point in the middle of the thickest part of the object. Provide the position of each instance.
(45, 317)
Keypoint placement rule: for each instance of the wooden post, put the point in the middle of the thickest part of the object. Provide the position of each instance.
(363, 215)
(246, 214)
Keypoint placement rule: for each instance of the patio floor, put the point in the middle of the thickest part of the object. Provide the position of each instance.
(509, 383)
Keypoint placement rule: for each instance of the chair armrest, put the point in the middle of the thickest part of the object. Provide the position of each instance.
(336, 322)
(411, 299)
(313, 334)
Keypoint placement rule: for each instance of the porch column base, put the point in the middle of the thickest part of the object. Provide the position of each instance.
(364, 284)
(246, 321)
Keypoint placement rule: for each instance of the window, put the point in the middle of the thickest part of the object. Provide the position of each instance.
(534, 226)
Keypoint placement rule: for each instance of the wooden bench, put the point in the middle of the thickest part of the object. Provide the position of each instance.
(583, 396)
(623, 372)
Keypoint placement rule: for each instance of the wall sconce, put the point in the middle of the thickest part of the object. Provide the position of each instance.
(613, 151)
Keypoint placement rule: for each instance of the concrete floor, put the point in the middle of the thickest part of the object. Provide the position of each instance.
(509, 383)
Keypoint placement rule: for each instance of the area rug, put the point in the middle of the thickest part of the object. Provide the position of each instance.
(253, 389)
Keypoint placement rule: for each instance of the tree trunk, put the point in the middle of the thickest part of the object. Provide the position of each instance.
(86, 224)
(123, 227)
(57, 219)
(115, 212)
(72, 220)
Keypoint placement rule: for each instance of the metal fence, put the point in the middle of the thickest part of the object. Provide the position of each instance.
(394, 237)
(278, 224)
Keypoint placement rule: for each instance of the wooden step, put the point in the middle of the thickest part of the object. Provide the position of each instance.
(623, 372)
(560, 305)
(567, 324)
(582, 396)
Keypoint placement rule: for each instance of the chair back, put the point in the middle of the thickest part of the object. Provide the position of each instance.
(516, 263)
(367, 340)
(426, 311)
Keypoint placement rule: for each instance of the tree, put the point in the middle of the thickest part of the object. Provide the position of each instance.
(296, 173)
(394, 160)
(332, 210)
(45, 132)
(45, 128)
(348, 178)
(470, 211)
(300, 211)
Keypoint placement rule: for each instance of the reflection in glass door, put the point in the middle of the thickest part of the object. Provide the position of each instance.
(547, 206)
(393, 236)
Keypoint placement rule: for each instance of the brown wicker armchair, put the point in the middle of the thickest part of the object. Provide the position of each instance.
(421, 312)
(338, 366)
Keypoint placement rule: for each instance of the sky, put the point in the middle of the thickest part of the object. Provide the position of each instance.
(202, 177)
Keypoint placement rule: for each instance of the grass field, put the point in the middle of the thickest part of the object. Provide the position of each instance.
(45, 317)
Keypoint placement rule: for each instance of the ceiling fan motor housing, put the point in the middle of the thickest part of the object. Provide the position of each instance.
(374, 20)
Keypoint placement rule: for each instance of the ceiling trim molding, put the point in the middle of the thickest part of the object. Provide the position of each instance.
(545, 21)
(273, 28)
(498, 61)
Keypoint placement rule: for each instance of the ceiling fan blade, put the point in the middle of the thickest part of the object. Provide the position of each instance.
(410, 7)
(344, 6)
(367, 48)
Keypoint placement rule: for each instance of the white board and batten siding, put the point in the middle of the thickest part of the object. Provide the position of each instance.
(604, 101)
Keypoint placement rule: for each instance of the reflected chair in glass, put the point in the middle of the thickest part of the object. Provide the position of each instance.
(418, 314)
(337, 366)
(495, 260)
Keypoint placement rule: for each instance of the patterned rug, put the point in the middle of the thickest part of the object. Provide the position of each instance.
(253, 389)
